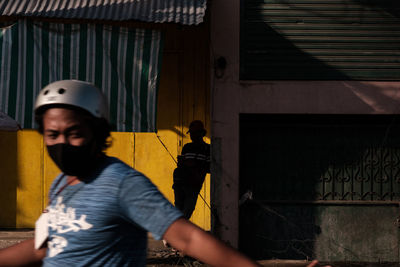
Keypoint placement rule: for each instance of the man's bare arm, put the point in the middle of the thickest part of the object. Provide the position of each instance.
(22, 254)
(193, 241)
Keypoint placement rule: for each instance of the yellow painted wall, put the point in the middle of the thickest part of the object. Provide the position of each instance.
(26, 171)
(21, 193)
(156, 162)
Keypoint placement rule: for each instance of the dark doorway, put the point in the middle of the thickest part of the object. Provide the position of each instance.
(320, 186)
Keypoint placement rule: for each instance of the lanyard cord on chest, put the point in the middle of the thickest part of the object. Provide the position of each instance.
(60, 190)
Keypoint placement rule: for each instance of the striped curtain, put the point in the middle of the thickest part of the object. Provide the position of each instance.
(123, 62)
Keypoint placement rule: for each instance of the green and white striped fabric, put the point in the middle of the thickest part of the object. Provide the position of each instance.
(123, 62)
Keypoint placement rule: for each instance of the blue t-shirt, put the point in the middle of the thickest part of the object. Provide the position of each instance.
(104, 220)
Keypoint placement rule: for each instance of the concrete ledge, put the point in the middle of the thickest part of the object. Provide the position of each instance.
(20, 234)
(9, 237)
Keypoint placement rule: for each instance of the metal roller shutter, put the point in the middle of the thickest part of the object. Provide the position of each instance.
(320, 40)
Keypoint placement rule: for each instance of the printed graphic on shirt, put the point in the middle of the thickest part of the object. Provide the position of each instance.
(62, 220)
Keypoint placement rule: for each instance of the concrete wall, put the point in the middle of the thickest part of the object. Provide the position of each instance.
(230, 97)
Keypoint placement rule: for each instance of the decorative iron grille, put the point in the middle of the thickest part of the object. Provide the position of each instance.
(374, 176)
(326, 158)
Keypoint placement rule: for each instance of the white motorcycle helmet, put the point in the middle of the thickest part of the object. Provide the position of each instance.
(75, 93)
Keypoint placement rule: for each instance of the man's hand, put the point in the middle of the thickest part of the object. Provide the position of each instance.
(22, 254)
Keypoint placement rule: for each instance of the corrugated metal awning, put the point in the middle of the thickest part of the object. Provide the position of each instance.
(186, 12)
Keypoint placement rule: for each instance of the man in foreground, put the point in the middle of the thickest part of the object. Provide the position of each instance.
(100, 209)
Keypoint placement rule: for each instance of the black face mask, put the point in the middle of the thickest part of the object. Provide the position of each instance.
(72, 160)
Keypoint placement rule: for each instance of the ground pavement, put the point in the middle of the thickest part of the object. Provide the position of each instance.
(160, 256)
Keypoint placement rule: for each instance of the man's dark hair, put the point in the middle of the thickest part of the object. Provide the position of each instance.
(100, 127)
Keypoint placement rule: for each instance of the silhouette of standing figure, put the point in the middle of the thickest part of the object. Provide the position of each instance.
(193, 165)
